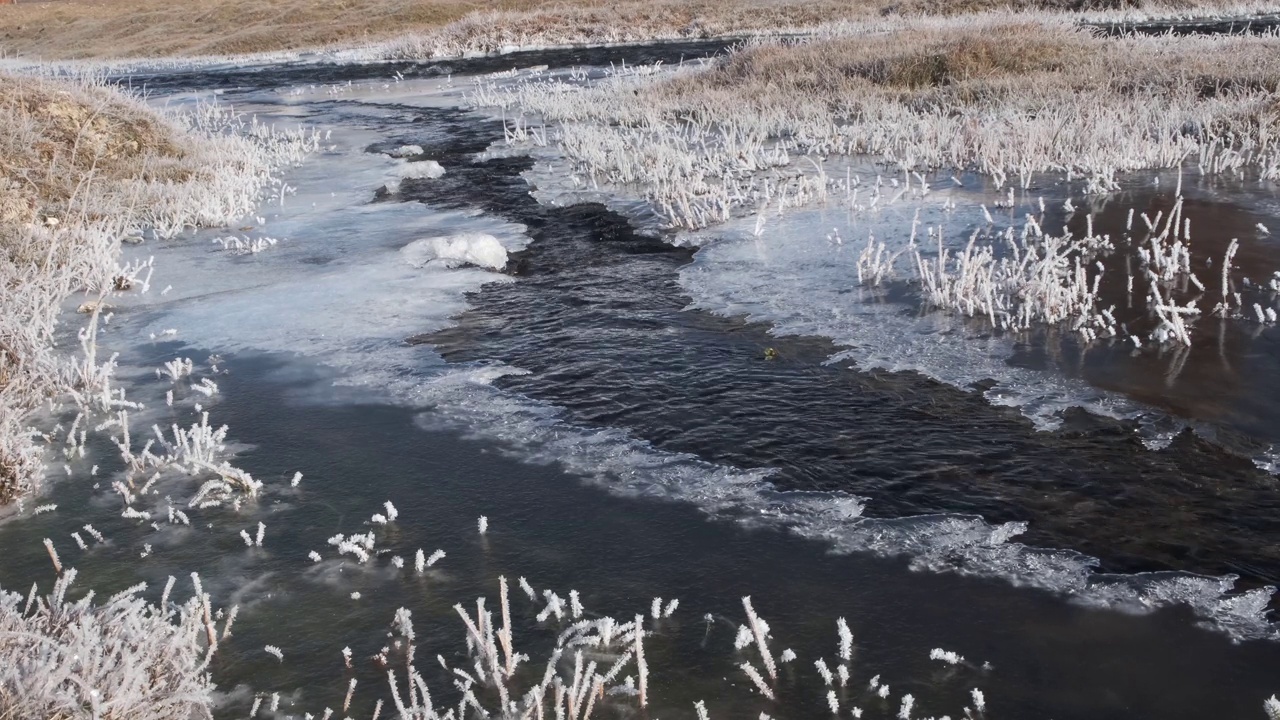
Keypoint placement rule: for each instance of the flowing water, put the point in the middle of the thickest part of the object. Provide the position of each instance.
(606, 373)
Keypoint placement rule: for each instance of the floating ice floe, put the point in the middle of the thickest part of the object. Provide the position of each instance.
(405, 151)
(468, 248)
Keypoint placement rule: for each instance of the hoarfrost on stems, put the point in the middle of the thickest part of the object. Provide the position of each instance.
(760, 630)
(846, 639)
(824, 671)
(528, 589)
(945, 656)
(979, 700)
(759, 682)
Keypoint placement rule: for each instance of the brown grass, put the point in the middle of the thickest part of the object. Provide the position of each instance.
(83, 166)
(911, 59)
(954, 65)
(69, 29)
(57, 136)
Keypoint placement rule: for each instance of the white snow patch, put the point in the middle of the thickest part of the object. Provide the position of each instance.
(425, 169)
(479, 249)
(405, 151)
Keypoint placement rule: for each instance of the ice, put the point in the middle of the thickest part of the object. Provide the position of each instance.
(463, 249)
(405, 151)
(803, 283)
(464, 398)
(342, 283)
(424, 169)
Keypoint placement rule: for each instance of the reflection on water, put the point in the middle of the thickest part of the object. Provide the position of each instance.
(1226, 377)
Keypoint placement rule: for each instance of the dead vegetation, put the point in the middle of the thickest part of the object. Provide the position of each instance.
(1060, 96)
(62, 144)
(981, 58)
(72, 29)
(57, 137)
(1006, 95)
(121, 658)
(84, 167)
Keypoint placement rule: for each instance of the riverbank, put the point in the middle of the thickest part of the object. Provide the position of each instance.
(86, 167)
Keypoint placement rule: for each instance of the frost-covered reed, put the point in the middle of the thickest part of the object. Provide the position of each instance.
(1041, 279)
(1006, 95)
(120, 658)
(582, 672)
(89, 166)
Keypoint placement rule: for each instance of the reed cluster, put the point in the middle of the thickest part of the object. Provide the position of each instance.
(1001, 94)
(119, 658)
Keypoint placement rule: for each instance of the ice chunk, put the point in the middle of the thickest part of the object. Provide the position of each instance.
(405, 151)
(428, 169)
(425, 170)
(469, 248)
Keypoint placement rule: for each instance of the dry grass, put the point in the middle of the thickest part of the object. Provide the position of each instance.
(1008, 95)
(912, 58)
(61, 143)
(955, 64)
(57, 136)
(82, 167)
(70, 29)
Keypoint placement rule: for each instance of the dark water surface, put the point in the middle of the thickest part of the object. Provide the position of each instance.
(1204, 26)
(1048, 659)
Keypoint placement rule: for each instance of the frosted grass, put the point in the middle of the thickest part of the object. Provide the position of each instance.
(205, 167)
